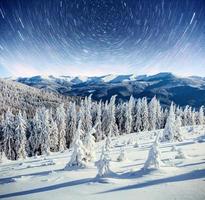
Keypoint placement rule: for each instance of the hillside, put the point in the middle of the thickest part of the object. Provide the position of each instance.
(166, 86)
(180, 178)
(21, 97)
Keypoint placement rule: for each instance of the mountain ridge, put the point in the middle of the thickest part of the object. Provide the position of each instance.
(166, 86)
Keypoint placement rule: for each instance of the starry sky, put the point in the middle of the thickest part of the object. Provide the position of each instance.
(96, 37)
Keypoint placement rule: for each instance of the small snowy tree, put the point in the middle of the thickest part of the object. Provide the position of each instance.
(103, 165)
(45, 132)
(89, 144)
(178, 134)
(112, 128)
(120, 117)
(72, 123)
(61, 123)
(78, 157)
(53, 133)
(138, 119)
(35, 134)
(154, 158)
(159, 114)
(108, 143)
(144, 115)
(129, 116)
(20, 136)
(99, 133)
(122, 155)
(153, 113)
(86, 107)
(169, 132)
(201, 116)
(9, 135)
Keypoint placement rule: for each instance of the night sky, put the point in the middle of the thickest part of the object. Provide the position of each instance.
(95, 37)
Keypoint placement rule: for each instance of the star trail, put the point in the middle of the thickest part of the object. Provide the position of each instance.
(95, 37)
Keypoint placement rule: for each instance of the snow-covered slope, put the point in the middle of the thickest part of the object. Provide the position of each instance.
(20, 96)
(166, 86)
(44, 177)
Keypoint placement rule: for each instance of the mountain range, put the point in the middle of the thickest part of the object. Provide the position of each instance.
(167, 87)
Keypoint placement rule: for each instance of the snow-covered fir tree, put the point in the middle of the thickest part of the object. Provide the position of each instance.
(89, 144)
(129, 115)
(112, 128)
(153, 114)
(45, 132)
(72, 123)
(201, 116)
(20, 136)
(78, 157)
(138, 120)
(122, 155)
(120, 117)
(8, 130)
(103, 165)
(144, 115)
(87, 117)
(169, 132)
(159, 116)
(35, 134)
(154, 158)
(53, 133)
(61, 124)
(178, 135)
(98, 133)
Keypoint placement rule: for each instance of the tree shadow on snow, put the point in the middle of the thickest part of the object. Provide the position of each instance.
(12, 178)
(197, 174)
(47, 188)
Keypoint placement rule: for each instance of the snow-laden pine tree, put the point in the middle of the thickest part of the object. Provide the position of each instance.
(122, 155)
(138, 121)
(9, 136)
(169, 132)
(103, 165)
(45, 132)
(20, 136)
(144, 115)
(3, 158)
(154, 158)
(112, 128)
(72, 123)
(153, 113)
(178, 135)
(53, 134)
(189, 116)
(61, 124)
(98, 133)
(159, 116)
(120, 117)
(89, 144)
(193, 118)
(87, 120)
(78, 157)
(105, 119)
(35, 134)
(201, 116)
(129, 115)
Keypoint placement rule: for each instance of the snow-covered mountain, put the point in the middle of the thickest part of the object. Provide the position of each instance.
(166, 86)
(19, 96)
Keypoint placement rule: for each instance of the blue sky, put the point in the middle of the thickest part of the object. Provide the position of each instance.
(87, 37)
